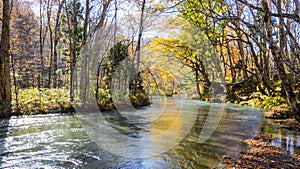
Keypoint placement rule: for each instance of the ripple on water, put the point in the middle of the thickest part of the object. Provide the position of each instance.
(59, 141)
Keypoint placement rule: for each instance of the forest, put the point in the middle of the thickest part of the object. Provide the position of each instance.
(256, 43)
(56, 55)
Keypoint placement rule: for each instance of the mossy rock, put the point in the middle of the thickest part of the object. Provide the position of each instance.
(279, 112)
(139, 100)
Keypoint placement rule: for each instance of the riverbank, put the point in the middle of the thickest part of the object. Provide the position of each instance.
(290, 124)
(47, 101)
(262, 154)
(9, 112)
(276, 107)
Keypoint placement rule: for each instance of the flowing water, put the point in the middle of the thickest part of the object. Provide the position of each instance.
(60, 141)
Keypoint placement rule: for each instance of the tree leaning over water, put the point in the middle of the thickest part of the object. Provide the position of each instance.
(258, 42)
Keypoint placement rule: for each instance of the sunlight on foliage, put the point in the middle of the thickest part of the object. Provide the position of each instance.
(43, 100)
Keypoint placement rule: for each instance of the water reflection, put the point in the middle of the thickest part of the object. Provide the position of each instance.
(152, 137)
(288, 140)
(226, 140)
(59, 141)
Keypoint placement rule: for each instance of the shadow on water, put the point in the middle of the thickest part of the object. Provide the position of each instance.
(120, 123)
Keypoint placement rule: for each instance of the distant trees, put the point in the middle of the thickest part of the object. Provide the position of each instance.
(45, 44)
(72, 33)
(193, 50)
(24, 46)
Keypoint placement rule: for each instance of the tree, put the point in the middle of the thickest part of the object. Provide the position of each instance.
(205, 15)
(138, 47)
(277, 54)
(24, 46)
(91, 24)
(5, 80)
(192, 49)
(71, 37)
(262, 34)
(116, 55)
(56, 41)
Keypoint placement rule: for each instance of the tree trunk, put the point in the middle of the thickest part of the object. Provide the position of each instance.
(276, 54)
(41, 46)
(73, 51)
(49, 11)
(83, 72)
(55, 54)
(138, 46)
(5, 80)
(198, 92)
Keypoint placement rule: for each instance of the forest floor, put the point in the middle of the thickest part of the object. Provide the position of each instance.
(262, 154)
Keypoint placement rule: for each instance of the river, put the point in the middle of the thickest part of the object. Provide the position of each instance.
(63, 141)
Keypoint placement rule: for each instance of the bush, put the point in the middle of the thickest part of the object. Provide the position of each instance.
(104, 99)
(140, 99)
(43, 100)
(266, 102)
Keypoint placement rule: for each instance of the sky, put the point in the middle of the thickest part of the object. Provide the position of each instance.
(154, 25)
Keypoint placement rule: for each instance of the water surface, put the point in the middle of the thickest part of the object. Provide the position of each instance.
(59, 141)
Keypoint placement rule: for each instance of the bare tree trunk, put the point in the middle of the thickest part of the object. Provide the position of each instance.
(5, 80)
(232, 70)
(138, 46)
(98, 26)
(49, 5)
(55, 54)
(73, 51)
(15, 83)
(241, 46)
(102, 17)
(276, 54)
(84, 75)
(41, 46)
(198, 92)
